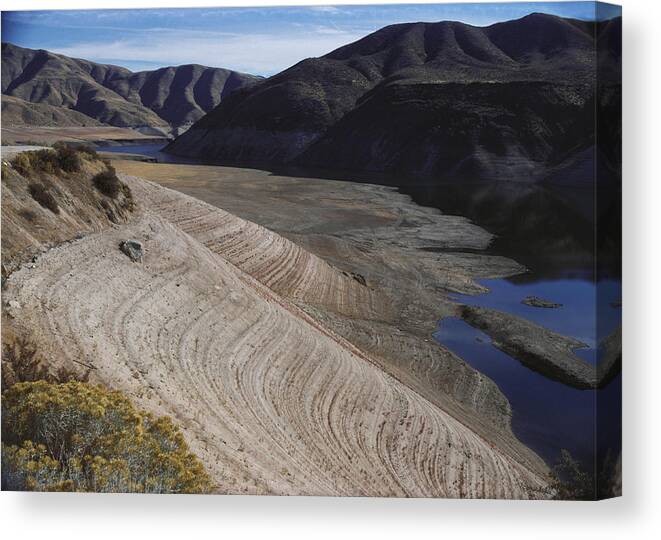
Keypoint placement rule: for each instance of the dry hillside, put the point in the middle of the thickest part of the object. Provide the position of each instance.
(113, 95)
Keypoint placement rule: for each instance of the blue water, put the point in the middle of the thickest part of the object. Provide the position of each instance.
(576, 318)
(149, 150)
(547, 415)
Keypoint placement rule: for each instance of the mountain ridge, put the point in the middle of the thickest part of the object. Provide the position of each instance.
(513, 98)
(172, 96)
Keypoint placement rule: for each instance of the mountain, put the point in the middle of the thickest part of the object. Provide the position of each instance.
(171, 96)
(514, 98)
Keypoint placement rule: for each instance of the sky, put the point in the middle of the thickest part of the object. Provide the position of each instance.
(257, 40)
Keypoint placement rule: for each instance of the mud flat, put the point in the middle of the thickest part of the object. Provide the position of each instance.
(546, 352)
(96, 134)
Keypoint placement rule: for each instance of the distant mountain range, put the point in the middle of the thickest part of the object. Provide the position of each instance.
(43, 88)
(515, 99)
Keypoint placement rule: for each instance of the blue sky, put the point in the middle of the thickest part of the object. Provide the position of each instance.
(259, 40)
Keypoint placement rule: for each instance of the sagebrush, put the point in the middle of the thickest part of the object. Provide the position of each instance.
(44, 197)
(79, 437)
(62, 158)
(107, 182)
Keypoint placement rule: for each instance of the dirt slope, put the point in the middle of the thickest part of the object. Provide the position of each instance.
(372, 317)
(272, 401)
(29, 228)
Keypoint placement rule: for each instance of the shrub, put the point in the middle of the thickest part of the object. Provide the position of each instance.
(68, 157)
(64, 375)
(88, 150)
(108, 183)
(569, 481)
(21, 163)
(22, 363)
(79, 437)
(129, 203)
(44, 197)
(44, 161)
(30, 466)
(39, 160)
(62, 158)
(81, 149)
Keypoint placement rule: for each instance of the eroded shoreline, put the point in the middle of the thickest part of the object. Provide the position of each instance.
(411, 255)
(222, 327)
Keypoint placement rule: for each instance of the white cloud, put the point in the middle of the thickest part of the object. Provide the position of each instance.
(326, 9)
(262, 54)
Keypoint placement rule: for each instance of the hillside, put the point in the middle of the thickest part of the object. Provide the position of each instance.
(171, 96)
(514, 98)
(206, 329)
(30, 228)
(18, 112)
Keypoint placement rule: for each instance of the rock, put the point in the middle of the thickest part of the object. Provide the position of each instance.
(359, 278)
(132, 249)
(536, 347)
(13, 304)
(535, 301)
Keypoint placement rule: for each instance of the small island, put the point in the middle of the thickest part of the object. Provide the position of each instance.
(535, 301)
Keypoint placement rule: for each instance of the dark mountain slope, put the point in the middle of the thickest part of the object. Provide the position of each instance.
(113, 95)
(515, 98)
(480, 129)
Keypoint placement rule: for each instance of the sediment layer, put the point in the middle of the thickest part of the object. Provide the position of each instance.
(207, 329)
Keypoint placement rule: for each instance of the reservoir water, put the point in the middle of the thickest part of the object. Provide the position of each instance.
(552, 231)
(153, 151)
(547, 415)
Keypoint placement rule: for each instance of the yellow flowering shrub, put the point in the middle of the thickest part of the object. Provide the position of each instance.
(80, 437)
